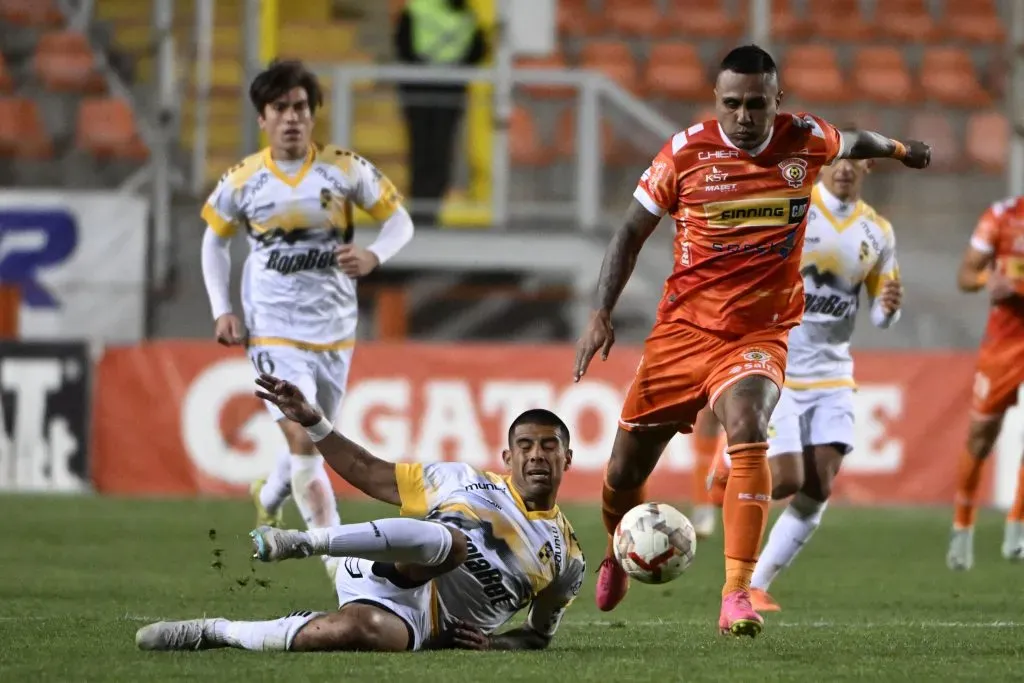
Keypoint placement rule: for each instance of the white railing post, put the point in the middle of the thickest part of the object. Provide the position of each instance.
(160, 153)
(761, 23)
(342, 115)
(502, 93)
(251, 59)
(1015, 101)
(201, 96)
(588, 155)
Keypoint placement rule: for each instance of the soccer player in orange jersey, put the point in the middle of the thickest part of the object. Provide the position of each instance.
(995, 261)
(738, 189)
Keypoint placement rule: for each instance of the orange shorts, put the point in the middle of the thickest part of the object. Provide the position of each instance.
(997, 378)
(684, 368)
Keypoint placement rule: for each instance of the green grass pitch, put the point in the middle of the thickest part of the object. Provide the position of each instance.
(870, 598)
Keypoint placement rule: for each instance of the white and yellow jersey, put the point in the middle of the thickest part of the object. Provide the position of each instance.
(846, 245)
(292, 293)
(517, 558)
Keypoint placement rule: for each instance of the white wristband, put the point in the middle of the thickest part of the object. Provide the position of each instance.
(320, 430)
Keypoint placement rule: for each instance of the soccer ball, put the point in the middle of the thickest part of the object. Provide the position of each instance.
(654, 543)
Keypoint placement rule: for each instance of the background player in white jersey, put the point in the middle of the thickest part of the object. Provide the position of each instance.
(490, 546)
(847, 245)
(298, 284)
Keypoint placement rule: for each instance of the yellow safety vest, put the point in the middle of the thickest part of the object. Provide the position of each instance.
(440, 35)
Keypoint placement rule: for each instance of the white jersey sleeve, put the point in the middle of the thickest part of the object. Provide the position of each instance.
(422, 488)
(885, 268)
(221, 211)
(372, 191)
(549, 606)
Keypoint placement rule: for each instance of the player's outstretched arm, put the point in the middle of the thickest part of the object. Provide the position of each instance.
(974, 270)
(866, 144)
(353, 463)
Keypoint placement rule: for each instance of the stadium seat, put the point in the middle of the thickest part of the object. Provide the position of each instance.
(576, 18)
(614, 60)
(6, 82)
(811, 72)
(64, 63)
(906, 21)
(787, 22)
(675, 71)
(988, 140)
(704, 19)
(853, 27)
(880, 75)
(948, 76)
(31, 13)
(526, 147)
(106, 129)
(936, 128)
(635, 18)
(22, 134)
(554, 61)
(974, 21)
(316, 42)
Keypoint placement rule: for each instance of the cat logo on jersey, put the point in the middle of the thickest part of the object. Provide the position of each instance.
(545, 552)
(794, 172)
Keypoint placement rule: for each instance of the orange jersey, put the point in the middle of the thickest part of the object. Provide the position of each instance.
(740, 218)
(1000, 232)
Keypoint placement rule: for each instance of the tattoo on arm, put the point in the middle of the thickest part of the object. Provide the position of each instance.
(866, 144)
(621, 254)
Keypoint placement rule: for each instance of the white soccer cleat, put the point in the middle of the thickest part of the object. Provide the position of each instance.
(704, 518)
(960, 556)
(272, 545)
(1013, 542)
(175, 635)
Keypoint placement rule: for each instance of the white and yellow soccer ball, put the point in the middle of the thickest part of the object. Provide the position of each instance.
(654, 543)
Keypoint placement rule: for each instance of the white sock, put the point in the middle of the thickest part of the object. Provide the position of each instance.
(274, 635)
(386, 540)
(312, 491)
(279, 484)
(791, 531)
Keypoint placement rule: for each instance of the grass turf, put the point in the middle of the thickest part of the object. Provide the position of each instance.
(870, 598)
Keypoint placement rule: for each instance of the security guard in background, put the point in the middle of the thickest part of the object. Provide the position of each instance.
(435, 33)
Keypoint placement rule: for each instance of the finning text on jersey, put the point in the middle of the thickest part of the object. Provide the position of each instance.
(754, 213)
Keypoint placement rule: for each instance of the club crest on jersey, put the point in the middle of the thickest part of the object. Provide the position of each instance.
(756, 356)
(794, 172)
(545, 553)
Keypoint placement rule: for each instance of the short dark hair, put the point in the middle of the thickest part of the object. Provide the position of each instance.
(542, 417)
(281, 77)
(749, 59)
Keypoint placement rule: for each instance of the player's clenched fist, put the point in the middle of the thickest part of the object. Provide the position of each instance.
(919, 154)
(598, 335)
(892, 296)
(288, 398)
(355, 261)
(228, 330)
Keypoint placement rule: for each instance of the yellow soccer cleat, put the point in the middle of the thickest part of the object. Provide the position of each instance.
(263, 516)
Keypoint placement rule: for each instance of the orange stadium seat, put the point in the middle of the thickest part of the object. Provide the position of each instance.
(614, 59)
(553, 61)
(106, 129)
(988, 140)
(635, 17)
(675, 71)
(525, 144)
(6, 82)
(787, 23)
(948, 76)
(704, 19)
(854, 26)
(64, 62)
(576, 18)
(22, 133)
(31, 12)
(811, 72)
(906, 21)
(975, 21)
(880, 75)
(936, 128)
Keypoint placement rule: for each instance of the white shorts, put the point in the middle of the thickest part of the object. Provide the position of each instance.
(356, 582)
(322, 376)
(811, 417)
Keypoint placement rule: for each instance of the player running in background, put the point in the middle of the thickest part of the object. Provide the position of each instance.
(995, 261)
(847, 245)
(738, 189)
(298, 284)
(708, 442)
(488, 547)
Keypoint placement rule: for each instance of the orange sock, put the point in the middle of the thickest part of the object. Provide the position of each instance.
(615, 503)
(968, 481)
(704, 450)
(1016, 513)
(748, 496)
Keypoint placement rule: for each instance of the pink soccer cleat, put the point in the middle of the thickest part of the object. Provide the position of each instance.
(612, 584)
(738, 617)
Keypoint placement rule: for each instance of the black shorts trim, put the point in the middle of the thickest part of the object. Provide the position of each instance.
(374, 603)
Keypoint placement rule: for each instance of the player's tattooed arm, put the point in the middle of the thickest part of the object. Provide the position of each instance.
(353, 463)
(621, 254)
(866, 144)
